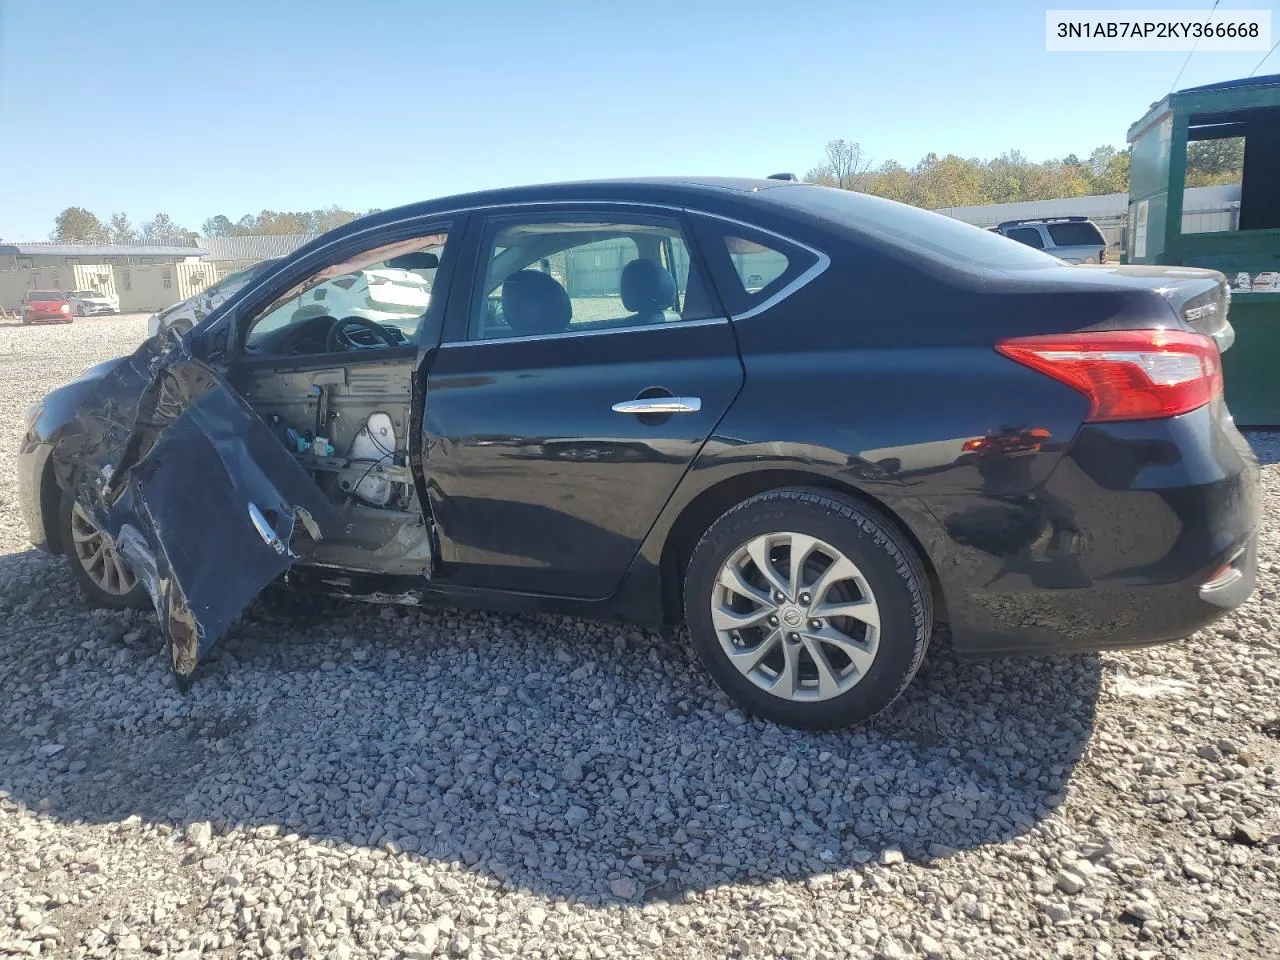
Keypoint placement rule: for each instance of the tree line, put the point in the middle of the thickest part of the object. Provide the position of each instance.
(955, 181)
(79, 224)
(934, 182)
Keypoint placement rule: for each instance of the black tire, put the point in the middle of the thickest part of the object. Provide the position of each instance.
(886, 559)
(95, 595)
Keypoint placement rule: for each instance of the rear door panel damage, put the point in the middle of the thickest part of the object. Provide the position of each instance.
(202, 499)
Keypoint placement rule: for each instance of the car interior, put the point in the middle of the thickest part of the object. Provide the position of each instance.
(546, 279)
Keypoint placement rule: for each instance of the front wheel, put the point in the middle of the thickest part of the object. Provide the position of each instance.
(102, 575)
(808, 608)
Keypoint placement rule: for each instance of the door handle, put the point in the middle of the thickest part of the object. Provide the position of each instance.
(265, 531)
(660, 405)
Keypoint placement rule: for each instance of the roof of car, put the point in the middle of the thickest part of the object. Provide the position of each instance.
(622, 189)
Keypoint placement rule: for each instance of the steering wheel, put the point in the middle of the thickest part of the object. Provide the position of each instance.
(339, 339)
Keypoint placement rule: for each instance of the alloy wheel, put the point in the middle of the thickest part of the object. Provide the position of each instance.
(97, 555)
(795, 616)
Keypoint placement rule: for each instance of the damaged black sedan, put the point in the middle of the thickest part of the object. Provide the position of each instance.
(807, 423)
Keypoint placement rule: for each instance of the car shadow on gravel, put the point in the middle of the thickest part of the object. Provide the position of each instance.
(574, 759)
(1265, 444)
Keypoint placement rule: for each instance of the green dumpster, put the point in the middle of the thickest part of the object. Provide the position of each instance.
(1240, 237)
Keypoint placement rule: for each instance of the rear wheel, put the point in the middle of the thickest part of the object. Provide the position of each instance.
(808, 608)
(95, 564)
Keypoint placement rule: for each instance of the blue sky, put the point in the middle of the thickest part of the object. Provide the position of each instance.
(231, 107)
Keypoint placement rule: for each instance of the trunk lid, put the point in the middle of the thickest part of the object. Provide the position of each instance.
(1200, 298)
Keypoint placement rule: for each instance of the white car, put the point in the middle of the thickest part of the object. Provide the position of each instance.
(191, 311)
(383, 295)
(88, 303)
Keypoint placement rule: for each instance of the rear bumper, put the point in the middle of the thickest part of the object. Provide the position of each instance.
(1143, 533)
(43, 317)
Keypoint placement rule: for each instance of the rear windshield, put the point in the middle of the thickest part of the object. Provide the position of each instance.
(1083, 234)
(45, 295)
(950, 240)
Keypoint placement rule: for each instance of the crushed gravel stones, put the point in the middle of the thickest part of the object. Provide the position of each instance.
(359, 781)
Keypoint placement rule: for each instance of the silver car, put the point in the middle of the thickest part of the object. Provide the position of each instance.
(1073, 239)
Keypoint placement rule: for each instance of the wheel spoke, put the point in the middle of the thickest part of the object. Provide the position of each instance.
(839, 570)
(731, 579)
(802, 548)
(828, 683)
(860, 655)
(866, 611)
(758, 550)
(788, 680)
(80, 534)
(747, 660)
(726, 619)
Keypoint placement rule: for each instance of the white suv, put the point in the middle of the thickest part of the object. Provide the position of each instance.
(1073, 239)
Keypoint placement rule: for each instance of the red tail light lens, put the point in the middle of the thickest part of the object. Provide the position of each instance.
(1127, 374)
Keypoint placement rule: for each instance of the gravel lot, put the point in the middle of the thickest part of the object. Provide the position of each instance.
(350, 781)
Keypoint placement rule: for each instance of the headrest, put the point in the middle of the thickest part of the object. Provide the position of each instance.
(646, 287)
(534, 302)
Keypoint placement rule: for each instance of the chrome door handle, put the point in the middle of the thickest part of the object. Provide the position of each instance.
(660, 405)
(268, 535)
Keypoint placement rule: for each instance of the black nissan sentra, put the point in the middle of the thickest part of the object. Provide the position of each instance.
(807, 423)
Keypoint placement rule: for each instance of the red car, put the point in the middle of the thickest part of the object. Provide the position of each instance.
(46, 306)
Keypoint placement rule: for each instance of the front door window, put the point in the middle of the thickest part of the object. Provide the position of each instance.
(375, 300)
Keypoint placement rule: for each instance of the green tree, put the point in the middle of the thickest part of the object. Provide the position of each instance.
(327, 219)
(77, 223)
(218, 226)
(1108, 170)
(162, 230)
(1212, 162)
(120, 230)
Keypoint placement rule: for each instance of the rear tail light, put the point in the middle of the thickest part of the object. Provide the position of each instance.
(1127, 374)
(65, 308)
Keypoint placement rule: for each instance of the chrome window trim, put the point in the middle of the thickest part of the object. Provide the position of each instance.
(819, 266)
(638, 328)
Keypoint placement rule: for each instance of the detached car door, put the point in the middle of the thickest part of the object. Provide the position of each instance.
(573, 389)
(204, 502)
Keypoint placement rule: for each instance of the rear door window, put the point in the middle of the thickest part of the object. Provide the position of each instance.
(1028, 235)
(1075, 235)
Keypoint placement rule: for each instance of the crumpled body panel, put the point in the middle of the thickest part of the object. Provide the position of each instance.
(203, 500)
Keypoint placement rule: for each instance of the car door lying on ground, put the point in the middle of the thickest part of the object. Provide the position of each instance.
(205, 503)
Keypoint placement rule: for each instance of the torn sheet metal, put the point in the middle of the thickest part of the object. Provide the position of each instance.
(203, 500)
